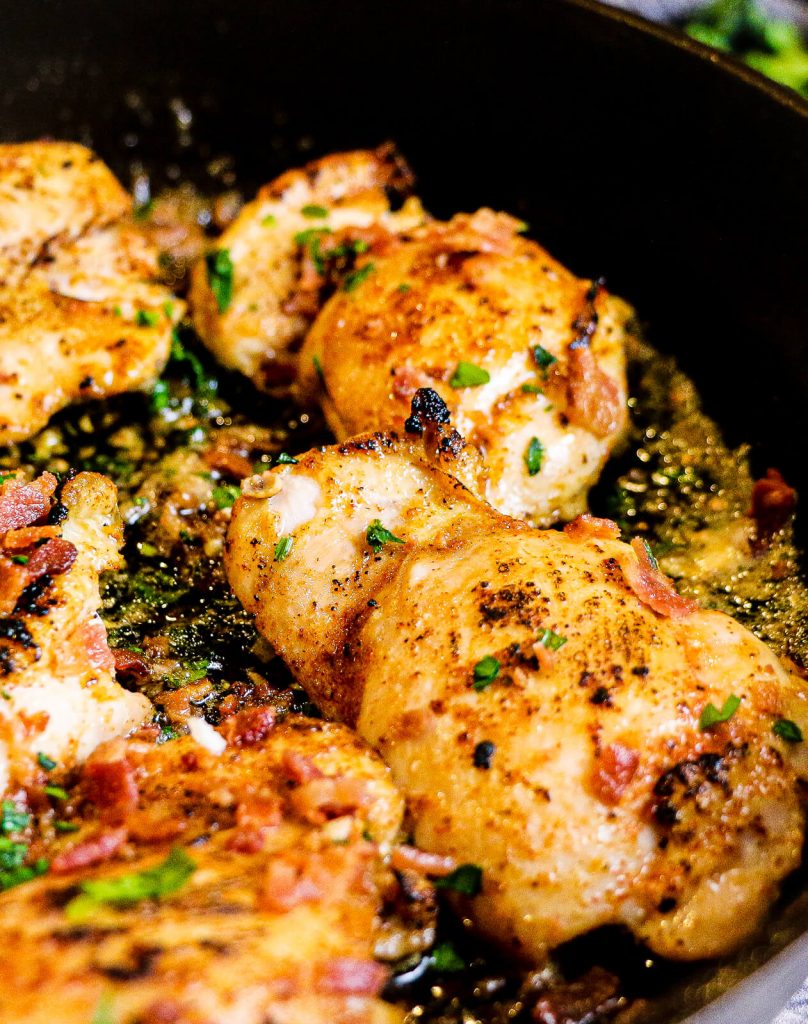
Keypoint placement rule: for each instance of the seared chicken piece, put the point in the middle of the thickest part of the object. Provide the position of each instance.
(267, 909)
(543, 698)
(82, 312)
(529, 359)
(57, 678)
(254, 297)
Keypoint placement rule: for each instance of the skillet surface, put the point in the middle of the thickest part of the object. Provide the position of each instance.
(630, 156)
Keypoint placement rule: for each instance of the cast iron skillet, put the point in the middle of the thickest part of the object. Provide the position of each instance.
(631, 152)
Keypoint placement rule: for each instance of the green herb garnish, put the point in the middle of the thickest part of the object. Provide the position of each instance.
(24, 873)
(20, 559)
(225, 495)
(146, 318)
(787, 730)
(269, 221)
(531, 389)
(314, 211)
(283, 547)
(57, 792)
(711, 716)
(356, 277)
(66, 826)
(534, 456)
(126, 890)
(45, 762)
(220, 277)
(467, 375)
(485, 672)
(543, 359)
(446, 958)
(377, 536)
(552, 641)
(12, 819)
(284, 459)
(404, 288)
(467, 879)
(190, 673)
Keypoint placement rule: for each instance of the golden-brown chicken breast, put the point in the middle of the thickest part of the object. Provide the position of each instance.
(82, 312)
(254, 296)
(234, 880)
(529, 359)
(57, 679)
(554, 712)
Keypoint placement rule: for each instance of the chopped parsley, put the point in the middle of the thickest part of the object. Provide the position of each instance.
(126, 890)
(225, 495)
(312, 239)
(534, 456)
(285, 459)
(57, 792)
(446, 958)
(531, 389)
(318, 368)
(711, 716)
(543, 359)
(356, 277)
(146, 318)
(20, 559)
(190, 673)
(65, 826)
(485, 672)
(161, 396)
(220, 277)
(552, 641)
(467, 879)
(314, 211)
(404, 288)
(377, 536)
(5, 695)
(467, 375)
(283, 547)
(651, 556)
(12, 819)
(104, 1011)
(787, 730)
(11, 877)
(269, 221)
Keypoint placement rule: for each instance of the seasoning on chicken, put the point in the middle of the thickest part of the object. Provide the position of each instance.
(553, 711)
(529, 359)
(82, 311)
(57, 679)
(236, 877)
(255, 295)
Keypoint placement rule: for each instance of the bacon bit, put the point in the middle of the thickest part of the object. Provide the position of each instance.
(591, 397)
(23, 504)
(614, 770)
(94, 850)
(773, 504)
(254, 820)
(653, 587)
(320, 799)
(18, 540)
(129, 663)
(249, 727)
(111, 786)
(408, 858)
(484, 231)
(55, 557)
(586, 527)
(350, 976)
(177, 703)
(588, 998)
(300, 768)
(296, 876)
(545, 657)
(13, 580)
(225, 459)
(92, 640)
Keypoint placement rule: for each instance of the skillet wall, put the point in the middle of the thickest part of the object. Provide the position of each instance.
(630, 157)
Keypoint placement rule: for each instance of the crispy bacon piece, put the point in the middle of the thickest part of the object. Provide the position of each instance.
(94, 850)
(591, 398)
(300, 768)
(225, 459)
(249, 727)
(129, 663)
(23, 504)
(91, 640)
(111, 786)
(485, 231)
(653, 587)
(409, 858)
(320, 799)
(614, 770)
(299, 876)
(586, 527)
(351, 976)
(55, 557)
(773, 504)
(14, 579)
(27, 536)
(254, 820)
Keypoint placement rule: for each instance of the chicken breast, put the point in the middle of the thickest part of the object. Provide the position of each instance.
(194, 866)
(529, 359)
(254, 296)
(554, 712)
(82, 311)
(57, 678)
